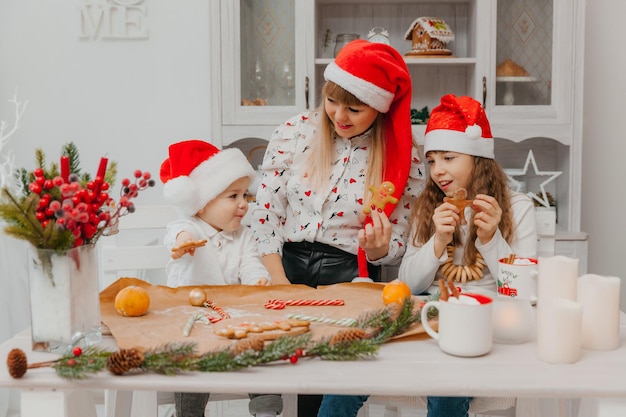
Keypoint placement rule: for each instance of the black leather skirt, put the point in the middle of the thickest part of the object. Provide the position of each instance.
(316, 264)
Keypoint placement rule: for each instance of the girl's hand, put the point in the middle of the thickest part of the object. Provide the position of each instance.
(375, 237)
(445, 218)
(263, 281)
(487, 217)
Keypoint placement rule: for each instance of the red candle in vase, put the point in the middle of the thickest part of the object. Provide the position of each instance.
(65, 168)
(102, 169)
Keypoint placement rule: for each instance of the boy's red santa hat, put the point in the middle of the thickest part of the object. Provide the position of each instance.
(376, 74)
(459, 124)
(196, 172)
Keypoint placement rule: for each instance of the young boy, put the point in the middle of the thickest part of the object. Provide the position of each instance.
(208, 188)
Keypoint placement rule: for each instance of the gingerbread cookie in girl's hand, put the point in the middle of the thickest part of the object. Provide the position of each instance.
(459, 199)
(380, 197)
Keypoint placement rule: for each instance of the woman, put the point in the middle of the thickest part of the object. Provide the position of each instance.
(318, 171)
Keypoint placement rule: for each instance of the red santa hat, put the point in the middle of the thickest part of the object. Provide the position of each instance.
(376, 74)
(459, 124)
(196, 172)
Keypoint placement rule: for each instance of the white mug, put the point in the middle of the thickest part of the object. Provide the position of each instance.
(518, 279)
(465, 324)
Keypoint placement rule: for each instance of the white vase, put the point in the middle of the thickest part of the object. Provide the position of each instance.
(64, 299)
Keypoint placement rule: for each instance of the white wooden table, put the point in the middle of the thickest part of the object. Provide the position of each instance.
(410, 367)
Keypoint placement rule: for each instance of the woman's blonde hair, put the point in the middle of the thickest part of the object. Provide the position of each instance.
(489, 178)
(320, 157)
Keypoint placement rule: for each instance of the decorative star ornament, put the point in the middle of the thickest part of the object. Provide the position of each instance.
(530, 159)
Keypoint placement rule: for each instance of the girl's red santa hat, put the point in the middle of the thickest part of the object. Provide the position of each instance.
(459, 124)
(196, 172)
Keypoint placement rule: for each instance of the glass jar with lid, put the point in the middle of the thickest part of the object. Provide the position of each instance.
(342, 39)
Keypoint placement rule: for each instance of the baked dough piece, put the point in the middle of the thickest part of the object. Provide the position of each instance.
(508, 68)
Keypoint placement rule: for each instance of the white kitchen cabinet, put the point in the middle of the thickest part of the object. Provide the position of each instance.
(259, 72)
(542, 112)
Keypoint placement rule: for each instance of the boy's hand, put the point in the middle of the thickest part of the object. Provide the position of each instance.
(189, 247)
(263, 282)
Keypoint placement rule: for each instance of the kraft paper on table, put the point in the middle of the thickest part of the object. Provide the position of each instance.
(170, 310)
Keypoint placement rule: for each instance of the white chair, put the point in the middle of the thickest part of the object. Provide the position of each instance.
(137, 250)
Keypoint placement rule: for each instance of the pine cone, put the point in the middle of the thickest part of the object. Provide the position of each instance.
(256, 343)
(125, 360)
(17, 363)
(347, 336)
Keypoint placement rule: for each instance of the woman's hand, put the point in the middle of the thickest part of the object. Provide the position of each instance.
(487, 217)
(375, 237)
(274, 264)
(445, 218)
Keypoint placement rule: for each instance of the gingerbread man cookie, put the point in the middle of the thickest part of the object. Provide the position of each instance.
(186, 247)
(264, 330)
(381, 196)
(459, 199)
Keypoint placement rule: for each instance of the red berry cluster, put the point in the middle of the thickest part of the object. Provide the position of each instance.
(129, 191)
(293, 358)
(84, 209)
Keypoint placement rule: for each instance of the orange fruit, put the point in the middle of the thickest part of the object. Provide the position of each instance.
(396, 291)
(132, 301)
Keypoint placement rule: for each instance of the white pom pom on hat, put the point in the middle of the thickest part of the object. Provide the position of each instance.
(459, 124)
(196, 172)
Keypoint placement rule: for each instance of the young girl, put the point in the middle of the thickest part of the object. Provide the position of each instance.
(459, 153)
(458, 146)
(318, 170)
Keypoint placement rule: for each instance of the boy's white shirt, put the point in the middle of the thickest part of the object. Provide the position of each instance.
(227, 258)
(419, 267)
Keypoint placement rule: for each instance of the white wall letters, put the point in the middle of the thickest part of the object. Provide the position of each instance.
(113, 19)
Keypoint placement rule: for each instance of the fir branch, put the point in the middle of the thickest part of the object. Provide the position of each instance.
(219, 361)
(22, 224)
(71, 151)
(111, 173)
(25, 178)
(40, 158)
(91, 361)
(173, 359)
(170, 359)
(352, 350)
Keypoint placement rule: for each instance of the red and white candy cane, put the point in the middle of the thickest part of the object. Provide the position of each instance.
(223, 315)
(281, 304)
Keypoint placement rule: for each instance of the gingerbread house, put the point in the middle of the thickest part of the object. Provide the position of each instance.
(429, 36)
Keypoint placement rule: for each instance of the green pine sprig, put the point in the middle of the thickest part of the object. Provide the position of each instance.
(174, 359)
(90, 362)
(22, 223)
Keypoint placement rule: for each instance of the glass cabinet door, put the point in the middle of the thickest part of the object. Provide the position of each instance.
(264, 80)
(524, 52)
(532, 63)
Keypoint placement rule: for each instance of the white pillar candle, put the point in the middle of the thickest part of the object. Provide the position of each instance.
(559, 323)
(599, 297)
(557, 278)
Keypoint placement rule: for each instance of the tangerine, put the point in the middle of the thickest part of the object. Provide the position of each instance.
(396, 291)
(132, 301)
